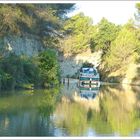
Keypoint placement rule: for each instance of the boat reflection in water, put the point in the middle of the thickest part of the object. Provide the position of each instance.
(88, 91)
(89, 82)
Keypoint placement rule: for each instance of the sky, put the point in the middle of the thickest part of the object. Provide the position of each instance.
(118, 12)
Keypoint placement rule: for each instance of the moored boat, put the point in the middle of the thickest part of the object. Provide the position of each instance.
(89, 76)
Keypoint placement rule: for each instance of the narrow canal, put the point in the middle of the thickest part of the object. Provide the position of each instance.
(111, 110)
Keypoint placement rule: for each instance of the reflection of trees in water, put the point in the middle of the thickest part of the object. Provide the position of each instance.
(121, 110)
(71, 116)
(25, 124)
(32, 113)
(46, 103)
(118, 113)
(43, 100)
(28, 114)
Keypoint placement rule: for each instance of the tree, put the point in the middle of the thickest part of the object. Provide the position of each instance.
(41, 20)
(124, 48)
(78, 31)
(49, 68)
(137, 14)
(106, 33)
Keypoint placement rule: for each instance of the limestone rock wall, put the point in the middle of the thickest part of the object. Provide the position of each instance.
(26, 45)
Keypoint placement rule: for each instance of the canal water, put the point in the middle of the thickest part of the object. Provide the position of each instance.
(111, 110)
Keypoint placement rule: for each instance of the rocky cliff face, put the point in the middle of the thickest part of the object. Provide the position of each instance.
(25, 45)
(71, 64)
(31, 46)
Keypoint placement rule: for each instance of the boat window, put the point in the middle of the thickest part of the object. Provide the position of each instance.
(89, 70)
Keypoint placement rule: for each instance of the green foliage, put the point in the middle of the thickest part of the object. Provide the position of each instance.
(17, 71)
(81, 34)
(9, 15)
(41, 20)
(137, 14)
(78, 32)
(49, 68)
(138, 6)
(105, 34)
(25, 72)
(124, 49)
(31, 18)
(5, 79)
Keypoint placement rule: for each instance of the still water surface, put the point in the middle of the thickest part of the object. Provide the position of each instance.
(107, 111)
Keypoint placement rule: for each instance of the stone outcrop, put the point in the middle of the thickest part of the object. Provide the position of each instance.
(25, 45)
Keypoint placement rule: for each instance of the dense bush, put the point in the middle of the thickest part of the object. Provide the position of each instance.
(49, 68)
(25, 72)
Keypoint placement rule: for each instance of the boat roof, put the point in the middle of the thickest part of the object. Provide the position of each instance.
(88, 68)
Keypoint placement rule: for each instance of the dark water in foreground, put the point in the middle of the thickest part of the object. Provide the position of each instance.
(108, 111)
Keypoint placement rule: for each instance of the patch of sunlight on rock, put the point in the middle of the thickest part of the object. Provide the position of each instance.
(9, 47)
(130, 74)
(117, 72)
(87, 103)
(88, 56)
